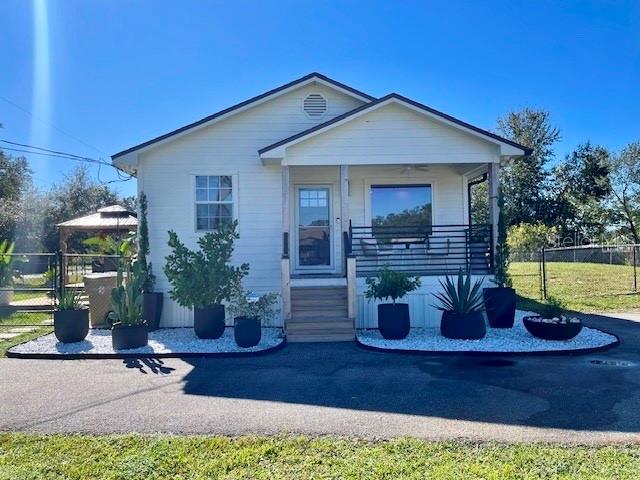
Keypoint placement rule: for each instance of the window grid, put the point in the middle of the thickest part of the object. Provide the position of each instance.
(214, 201)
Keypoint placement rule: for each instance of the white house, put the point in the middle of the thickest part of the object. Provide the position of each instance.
(328, 184)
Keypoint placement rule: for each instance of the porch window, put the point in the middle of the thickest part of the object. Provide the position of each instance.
(401, 205)
(214, 201)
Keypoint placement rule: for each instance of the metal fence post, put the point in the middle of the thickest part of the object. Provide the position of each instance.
(60, 264)
(635, 273)
(544, 273)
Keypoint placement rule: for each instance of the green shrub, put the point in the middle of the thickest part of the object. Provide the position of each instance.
(264, 307)
(6, 263)
(390, 284)
(460, 296)
(143, 244)
(553, 308)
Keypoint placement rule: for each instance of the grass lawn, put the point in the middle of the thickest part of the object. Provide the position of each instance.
(585, 287)
(286, 457)
(23, 318)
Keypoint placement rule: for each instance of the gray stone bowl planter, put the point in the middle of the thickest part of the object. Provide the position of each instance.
(125, 337)
(551, 331)
(394, 322)
(463, 326)
(70, 326)
(247, 331)
(208, 322)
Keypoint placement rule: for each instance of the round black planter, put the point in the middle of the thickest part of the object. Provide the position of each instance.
(500, 305)
(551, 331)
(247, 331)
(124, 337)
(71, 326)
(463, 326)
(152, 309)
(393, 320)
(208, 322)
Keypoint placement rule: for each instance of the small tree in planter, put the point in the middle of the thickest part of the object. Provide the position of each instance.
(129, 327)
(6, 271)
(461, 306)
(500, 301)
(249, 312)
(204, 279)
(394, 322)
(152, 301)
(71, 317)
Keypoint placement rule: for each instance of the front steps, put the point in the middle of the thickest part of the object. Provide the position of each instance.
(319, 314)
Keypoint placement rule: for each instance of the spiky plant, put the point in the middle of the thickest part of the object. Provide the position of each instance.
(461, 295)
(126, 298)
(68, 299)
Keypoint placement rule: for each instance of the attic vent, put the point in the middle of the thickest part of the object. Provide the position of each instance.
(315, 105)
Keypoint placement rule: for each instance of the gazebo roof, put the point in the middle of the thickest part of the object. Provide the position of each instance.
(113, 217)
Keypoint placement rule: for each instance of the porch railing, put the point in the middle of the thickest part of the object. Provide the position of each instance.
(423, 250)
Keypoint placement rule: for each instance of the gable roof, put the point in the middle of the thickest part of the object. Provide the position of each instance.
(393, 98)
(314, 76)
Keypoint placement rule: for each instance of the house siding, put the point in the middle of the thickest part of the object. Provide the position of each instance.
(166, 172)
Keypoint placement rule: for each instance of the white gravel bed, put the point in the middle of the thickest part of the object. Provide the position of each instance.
(516, 339)
(166, 341)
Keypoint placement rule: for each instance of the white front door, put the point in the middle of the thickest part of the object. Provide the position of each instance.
(313, 229)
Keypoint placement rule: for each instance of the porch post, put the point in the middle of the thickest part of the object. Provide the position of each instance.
(344, 211)
(494, 210)
(286, 266)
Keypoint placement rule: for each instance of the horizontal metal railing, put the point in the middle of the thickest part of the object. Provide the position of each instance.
(423, 249)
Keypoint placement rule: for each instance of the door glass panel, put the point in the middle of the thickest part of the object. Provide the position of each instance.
(314, 231)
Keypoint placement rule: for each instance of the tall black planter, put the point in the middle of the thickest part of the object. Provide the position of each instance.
(124, 337)
(394, 322)
(71, 326)
(500, 305)
(208, 322)
(247, 331)
(152, 309)
(463, 326)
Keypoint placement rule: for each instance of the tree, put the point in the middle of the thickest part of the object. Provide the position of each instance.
(15, 179)
(480, 203)
(579, 189)
(625, 188)
(79, 195)
(524, 180)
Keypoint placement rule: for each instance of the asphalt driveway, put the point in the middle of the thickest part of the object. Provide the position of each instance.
(338, 389)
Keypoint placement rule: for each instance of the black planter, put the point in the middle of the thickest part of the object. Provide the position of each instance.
(393, 320)
(500, 305)
(71, 326)
(124, 337)
(463, 326)
(247, 331)
(208, 322)
(551, 331)
(152, 309)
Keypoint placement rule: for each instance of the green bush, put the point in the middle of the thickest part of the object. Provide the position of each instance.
(6, 263)
(530, 237)
(390, 284)
(264, 307)
(204, 277)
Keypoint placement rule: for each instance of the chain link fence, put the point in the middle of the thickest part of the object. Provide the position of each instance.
(525, 270)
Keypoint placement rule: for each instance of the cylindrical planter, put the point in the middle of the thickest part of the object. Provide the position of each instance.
(71, 326)
(247, 331)
(124, 337)
(500, 305)
(463, 326)
(5, 297)
(393, 320)
(152, 309)
(551, 331)
(208, 322)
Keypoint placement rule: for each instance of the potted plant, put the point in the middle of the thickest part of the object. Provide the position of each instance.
(129, 328)
(249, 311)
(500, 301)
(553, 322)
(394, 322)
(71, 317)
(461, 305)
(204, 279)
(152, 301)
(6, 272)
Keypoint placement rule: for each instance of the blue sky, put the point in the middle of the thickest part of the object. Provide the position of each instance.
(110, 74)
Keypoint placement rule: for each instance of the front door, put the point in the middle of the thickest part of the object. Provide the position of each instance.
(314, 246)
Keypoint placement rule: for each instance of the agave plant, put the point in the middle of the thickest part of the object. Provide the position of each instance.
(461, 296)
(6, 263)
(126, 298)
(68, 299)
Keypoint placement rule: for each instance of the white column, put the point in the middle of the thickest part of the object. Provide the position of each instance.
(344, 197)
(286, 245)
(494, 210)
(352, 305)
(286, 202)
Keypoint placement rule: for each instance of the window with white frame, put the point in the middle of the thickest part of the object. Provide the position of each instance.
(214, 201)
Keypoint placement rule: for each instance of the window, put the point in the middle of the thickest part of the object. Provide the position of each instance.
(214, 201)
(400, 205)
